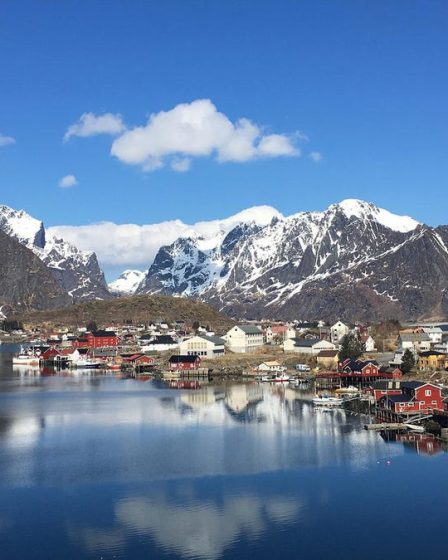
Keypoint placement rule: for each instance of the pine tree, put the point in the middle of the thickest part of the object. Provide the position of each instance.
(407, 361)
(351, 347)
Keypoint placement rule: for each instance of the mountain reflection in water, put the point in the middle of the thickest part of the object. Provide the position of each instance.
(95, 466)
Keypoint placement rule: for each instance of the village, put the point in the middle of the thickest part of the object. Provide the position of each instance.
(404, 382)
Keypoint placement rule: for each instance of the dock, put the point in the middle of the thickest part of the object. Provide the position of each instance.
(389, 426)
(393, 427)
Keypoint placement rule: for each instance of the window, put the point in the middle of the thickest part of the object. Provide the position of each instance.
(428, 393)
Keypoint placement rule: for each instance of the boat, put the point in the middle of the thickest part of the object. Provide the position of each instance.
(87, 364)
(298, 382)
(415, 428)
(348, 391)
(326, 400)
(28, 358)
(276, 378)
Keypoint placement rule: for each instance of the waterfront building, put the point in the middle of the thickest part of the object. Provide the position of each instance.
(210, 347)
(183, 362)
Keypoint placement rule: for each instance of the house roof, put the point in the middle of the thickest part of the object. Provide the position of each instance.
(305, 342)
(431, 353)
(387, 384)
(399, 398)
(215, 339)
(250, 329)
(163, 339)
(358, 365)
(414, 337)
(413, 384)
(183, 358)
(103, 333)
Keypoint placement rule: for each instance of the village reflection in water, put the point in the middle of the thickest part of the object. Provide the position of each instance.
(124, 468)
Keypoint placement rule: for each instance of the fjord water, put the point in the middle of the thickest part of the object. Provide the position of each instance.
(92, 466)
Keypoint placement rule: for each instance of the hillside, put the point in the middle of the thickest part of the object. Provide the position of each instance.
(135, 309)
(25, 282)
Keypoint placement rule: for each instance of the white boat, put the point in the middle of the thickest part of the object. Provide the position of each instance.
(28, 358)
(415, 428)
(276, 378)
(325, 400)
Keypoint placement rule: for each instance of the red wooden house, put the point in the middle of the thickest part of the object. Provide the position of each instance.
(97, 339)
(367, 369)
(382, 388)
(414, 396)
(139, 359)
(49, 354)
(181, 362)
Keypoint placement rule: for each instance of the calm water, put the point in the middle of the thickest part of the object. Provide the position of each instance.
(92, 466)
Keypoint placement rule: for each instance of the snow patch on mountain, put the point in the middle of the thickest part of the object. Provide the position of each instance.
(127, 283)
(366, 210)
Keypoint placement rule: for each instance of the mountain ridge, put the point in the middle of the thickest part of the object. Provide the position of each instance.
(343, 262)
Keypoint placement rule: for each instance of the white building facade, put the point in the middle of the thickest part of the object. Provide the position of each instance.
(244, 339)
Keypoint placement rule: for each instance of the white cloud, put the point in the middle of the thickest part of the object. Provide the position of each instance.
(6, 140)
(68, 181)
(197, 129)
(181, 164)
(316, 156)
(90, 124)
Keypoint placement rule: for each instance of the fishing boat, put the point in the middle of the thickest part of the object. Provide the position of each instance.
(327, 400)
(26, 358)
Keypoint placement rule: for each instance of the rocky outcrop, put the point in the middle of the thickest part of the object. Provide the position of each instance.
(77, 272)
(25, 282)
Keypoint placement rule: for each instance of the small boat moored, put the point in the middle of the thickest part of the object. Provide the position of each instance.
(326, 400)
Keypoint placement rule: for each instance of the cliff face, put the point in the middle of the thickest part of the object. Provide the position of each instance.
(77, 272)
(25, 281)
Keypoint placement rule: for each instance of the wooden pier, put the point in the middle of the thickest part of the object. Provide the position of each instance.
(386, 426)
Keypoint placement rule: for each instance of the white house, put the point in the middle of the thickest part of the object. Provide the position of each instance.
(279, 332)
(311, 346)
(204, 346)
(369, 343)
(435, 334)
(244, 338)
(158, 343)
(338, 331)
(417, 342)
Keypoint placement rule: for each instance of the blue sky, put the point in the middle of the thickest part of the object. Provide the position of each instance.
(365, 81)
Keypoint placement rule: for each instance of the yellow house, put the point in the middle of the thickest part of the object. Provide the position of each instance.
(431, 360)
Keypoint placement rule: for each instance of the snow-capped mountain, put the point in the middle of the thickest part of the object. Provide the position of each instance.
(76, 271)
(127, 283)
(353, 260)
